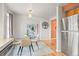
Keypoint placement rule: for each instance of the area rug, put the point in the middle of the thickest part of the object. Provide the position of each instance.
(43, 50)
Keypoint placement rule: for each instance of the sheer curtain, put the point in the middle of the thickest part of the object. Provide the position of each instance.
(70, 35)
(9, 26)
(73, 35)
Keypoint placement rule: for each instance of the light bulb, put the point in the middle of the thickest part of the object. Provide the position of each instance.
(30, 15)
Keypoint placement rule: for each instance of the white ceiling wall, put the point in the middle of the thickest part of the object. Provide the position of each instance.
(45, 10)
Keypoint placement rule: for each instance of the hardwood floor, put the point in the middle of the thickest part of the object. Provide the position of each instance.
(52, 45)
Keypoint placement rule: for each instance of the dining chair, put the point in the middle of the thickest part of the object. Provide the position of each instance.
(36, 40)
(23, 43)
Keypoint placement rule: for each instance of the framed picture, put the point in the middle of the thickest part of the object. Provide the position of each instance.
(31, 29)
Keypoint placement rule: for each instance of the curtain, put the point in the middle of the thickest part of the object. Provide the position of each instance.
(73, 35)
(11, 25)
(70, 34)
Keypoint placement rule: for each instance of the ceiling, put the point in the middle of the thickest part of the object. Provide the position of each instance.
(45, 10)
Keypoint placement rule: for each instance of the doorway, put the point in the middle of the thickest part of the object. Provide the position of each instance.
(53, 33)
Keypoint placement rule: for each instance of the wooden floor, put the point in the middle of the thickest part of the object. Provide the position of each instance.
(52, 45)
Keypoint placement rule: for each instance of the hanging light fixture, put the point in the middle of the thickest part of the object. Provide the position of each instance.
(30, 13)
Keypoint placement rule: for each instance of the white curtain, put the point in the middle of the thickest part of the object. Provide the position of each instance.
(70, 34)
(76, 35)
(73, 35)
(9, 26)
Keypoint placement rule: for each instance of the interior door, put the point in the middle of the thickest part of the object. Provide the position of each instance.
(53, 26)
(53, 33)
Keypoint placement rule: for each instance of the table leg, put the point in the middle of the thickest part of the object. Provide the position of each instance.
(19, 50)
(37, 44)
(30, 49)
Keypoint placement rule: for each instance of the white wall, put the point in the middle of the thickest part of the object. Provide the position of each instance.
(45, 33)
(1, 21)
(3, 10)
(20, 26)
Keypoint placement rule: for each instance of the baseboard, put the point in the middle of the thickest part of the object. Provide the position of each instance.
(58, 50)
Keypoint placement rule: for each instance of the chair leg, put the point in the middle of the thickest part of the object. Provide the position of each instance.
(37, 45)
(32, 47)
(30, 50)
(19, 50)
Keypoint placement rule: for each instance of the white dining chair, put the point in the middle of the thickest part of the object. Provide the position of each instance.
(23, 43)
(36, 40)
